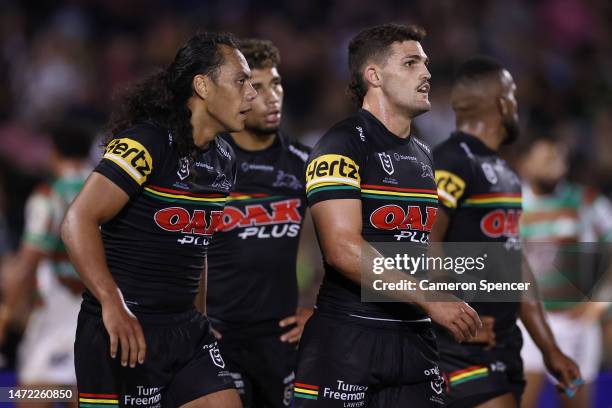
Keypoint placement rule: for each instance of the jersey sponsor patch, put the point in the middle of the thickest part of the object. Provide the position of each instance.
(450, 188)
(281, 212)
(332, 170)
(131, 156)
(501, 223)
(178, 219)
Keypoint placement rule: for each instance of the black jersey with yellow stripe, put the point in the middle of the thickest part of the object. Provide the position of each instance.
(252, 260)
(482, 196)
(156, 246)
(479, 191)
(359, 158)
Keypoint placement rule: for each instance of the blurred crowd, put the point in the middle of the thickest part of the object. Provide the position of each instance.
(67, 60)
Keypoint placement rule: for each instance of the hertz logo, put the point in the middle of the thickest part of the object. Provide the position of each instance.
(131, 156)
(450, 187)
(332, 169)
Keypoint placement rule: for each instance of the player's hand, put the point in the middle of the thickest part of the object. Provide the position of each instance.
(301, 317)
(485, 335)
(455, 316)
(124, 331)
(562, 368)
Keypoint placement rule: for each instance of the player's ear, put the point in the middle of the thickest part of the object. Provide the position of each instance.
(503, 104)
(201, 85)
(372, 75)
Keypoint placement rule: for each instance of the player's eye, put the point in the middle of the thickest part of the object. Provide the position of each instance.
(410, 63)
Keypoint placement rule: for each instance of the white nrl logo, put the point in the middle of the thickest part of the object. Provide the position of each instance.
(387, 164)
(183, 171)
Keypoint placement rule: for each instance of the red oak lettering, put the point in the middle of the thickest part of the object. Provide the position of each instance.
(501, 223)
(256, 215)
(177, 219)
(392, 216)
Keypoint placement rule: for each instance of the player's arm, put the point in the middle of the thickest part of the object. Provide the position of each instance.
(18, 280)
(532, 315)
(98, 202)
(338, 223)
(302, 314)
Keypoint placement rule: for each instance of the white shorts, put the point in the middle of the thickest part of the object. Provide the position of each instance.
(581, 341)
(46, 352)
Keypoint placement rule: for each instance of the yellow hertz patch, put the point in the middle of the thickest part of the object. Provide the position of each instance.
(131, 156)
(332, 169)
(450, 187)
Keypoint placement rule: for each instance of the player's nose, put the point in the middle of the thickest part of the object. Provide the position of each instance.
(426, 74)
(251, 93)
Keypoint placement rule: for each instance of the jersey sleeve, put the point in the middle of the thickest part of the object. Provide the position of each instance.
(333, 168)
(453, 175)
(131, 157)
(38, 227)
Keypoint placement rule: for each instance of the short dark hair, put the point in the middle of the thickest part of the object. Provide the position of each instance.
(477, 68)
(374, 43)
(71, 141)
(259, 53)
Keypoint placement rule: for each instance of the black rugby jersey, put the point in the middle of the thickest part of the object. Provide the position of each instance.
(252, 261)
(482, 196)
(156, 246)
(359, 158)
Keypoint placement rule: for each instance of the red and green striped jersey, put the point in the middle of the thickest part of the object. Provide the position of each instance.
(44, 212)
(359, 158)
(558, 230)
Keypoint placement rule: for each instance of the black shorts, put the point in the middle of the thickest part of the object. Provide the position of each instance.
(474, 375)
(347, 361)
(261, 365)
(182, 364)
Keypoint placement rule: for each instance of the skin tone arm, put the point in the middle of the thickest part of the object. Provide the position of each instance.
(531, 314)
(17, 281)
(302, 314)
(339, 225)
(98, 202)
